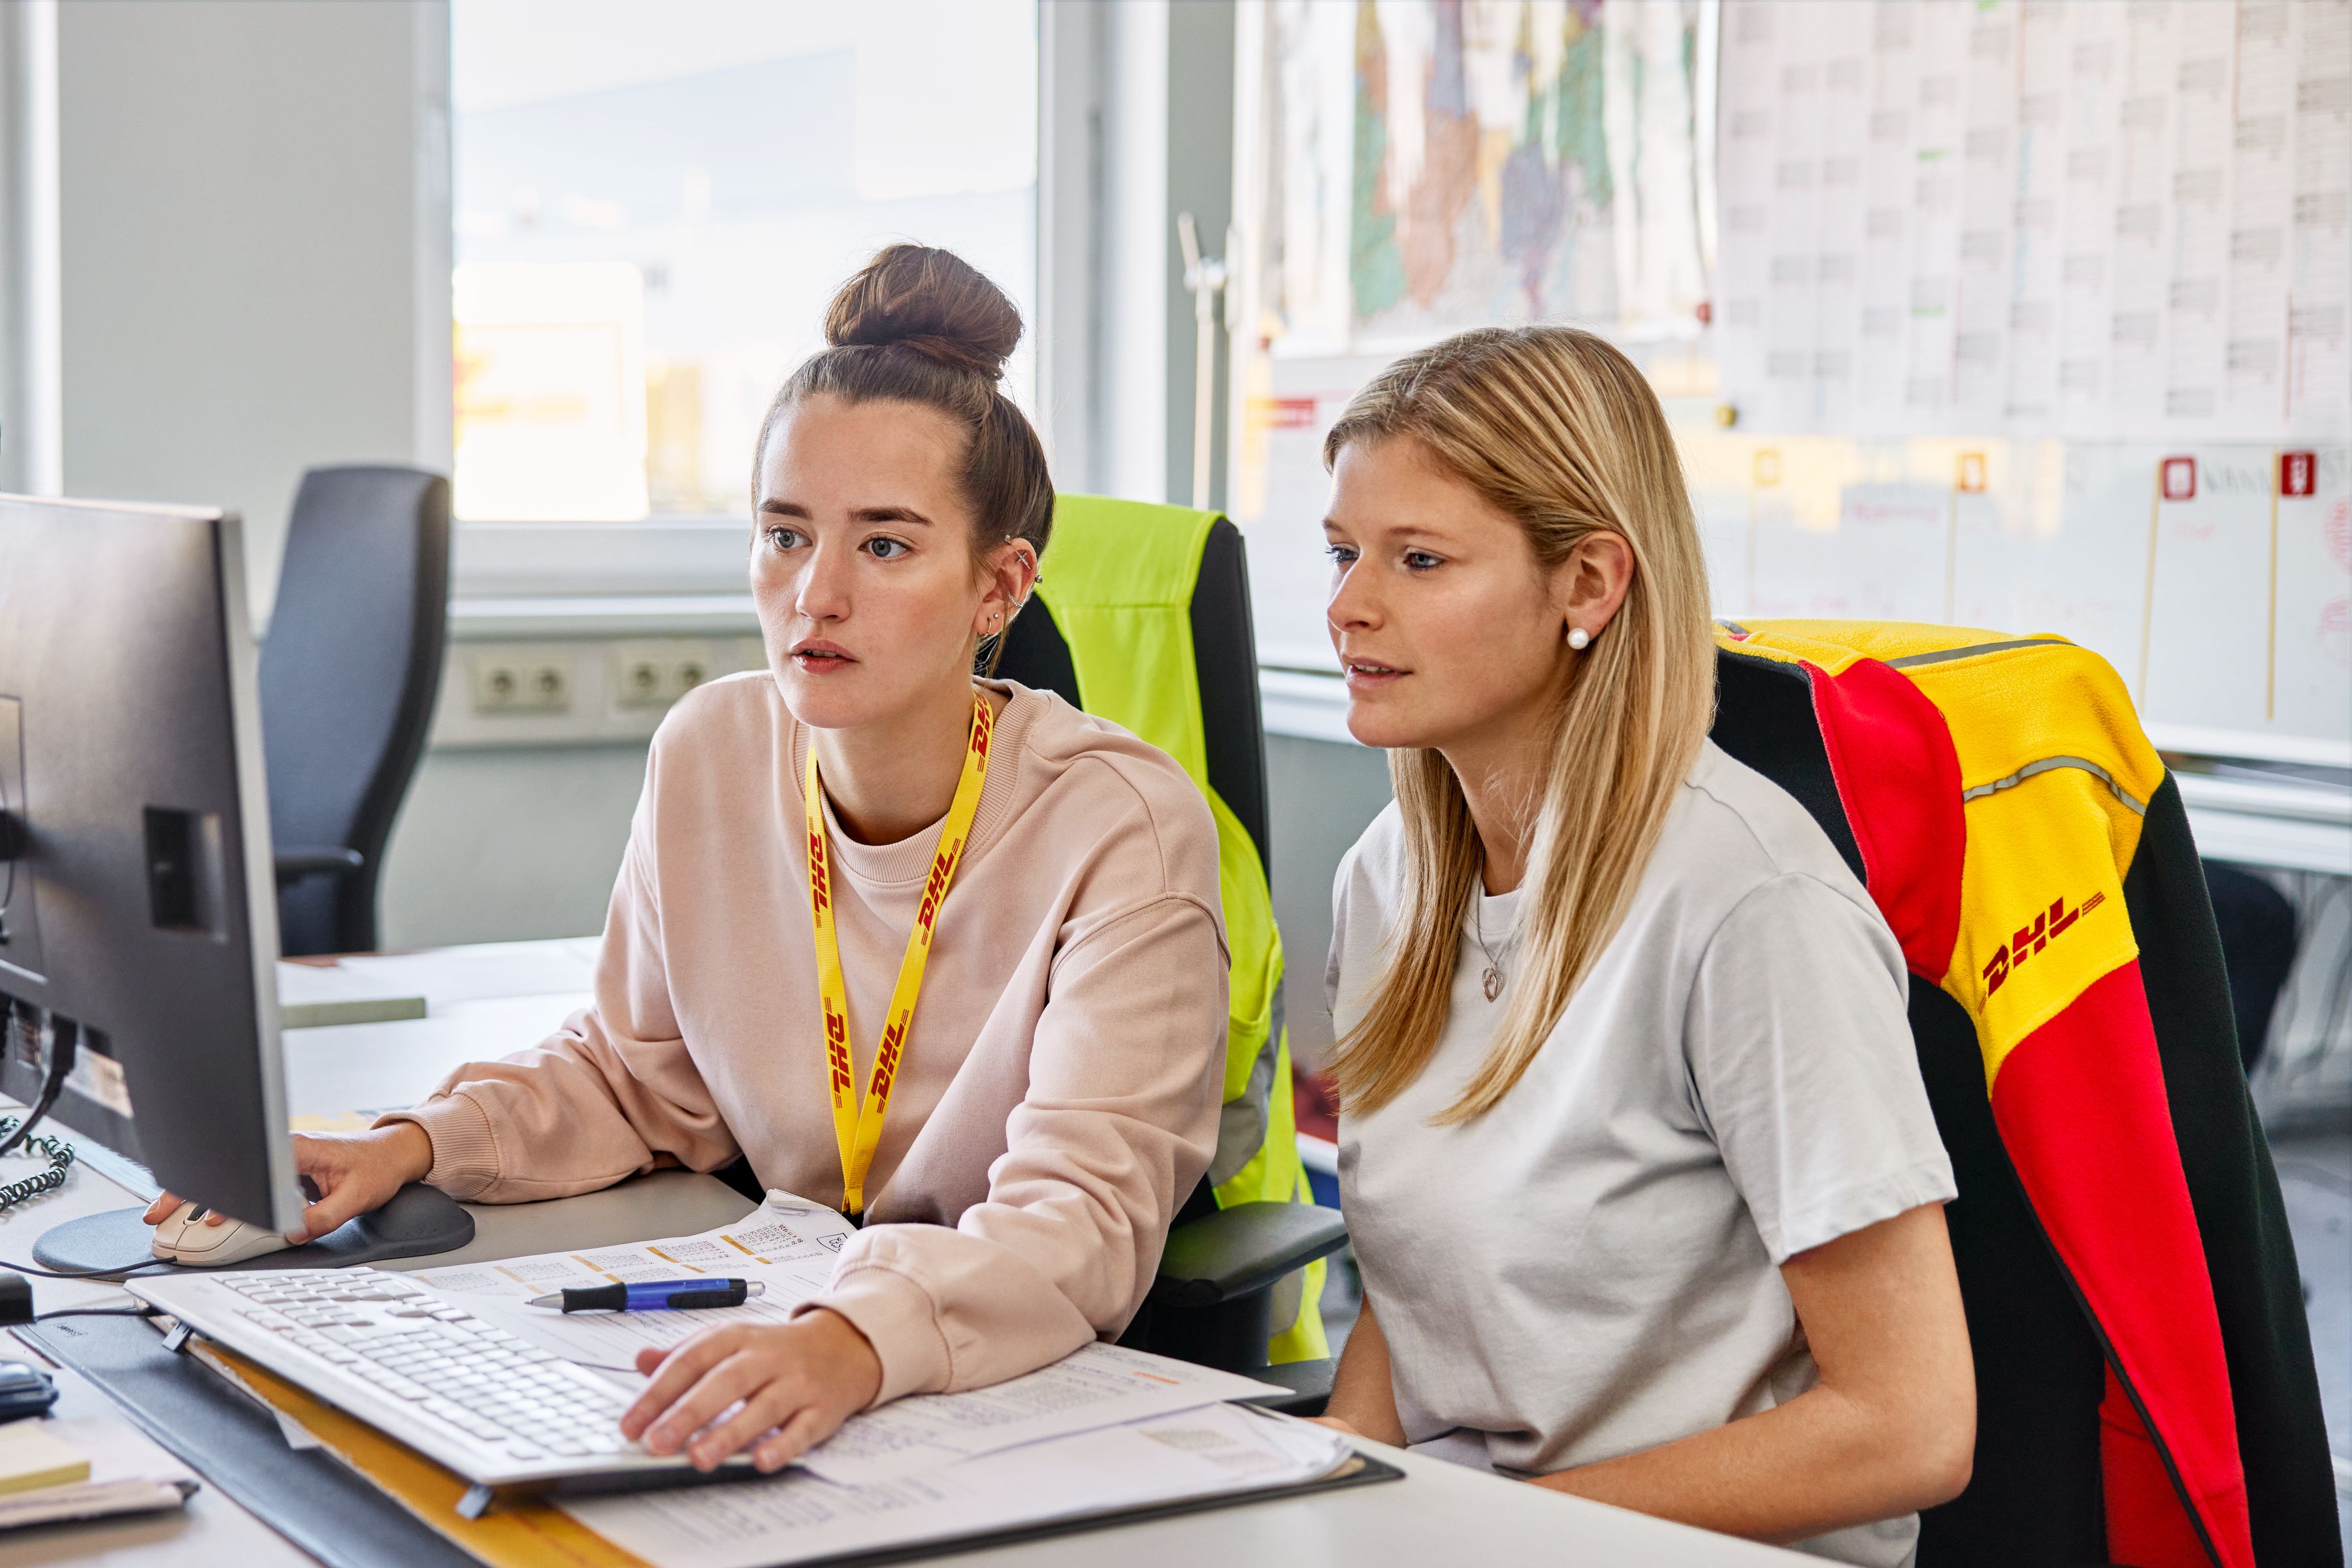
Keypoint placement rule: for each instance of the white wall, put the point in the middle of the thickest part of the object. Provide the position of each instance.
(253, 245)
(498, 845)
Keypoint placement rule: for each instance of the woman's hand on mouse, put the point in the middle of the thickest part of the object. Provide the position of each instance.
(779, 1389)
(353, 1173)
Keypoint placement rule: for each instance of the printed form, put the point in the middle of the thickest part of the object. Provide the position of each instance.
(789, 1245)
(1215, 1450)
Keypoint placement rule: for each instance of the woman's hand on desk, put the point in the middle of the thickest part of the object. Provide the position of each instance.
(782, 1389)
(354, 1174)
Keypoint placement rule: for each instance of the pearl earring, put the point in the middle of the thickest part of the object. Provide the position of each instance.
(1578, 638)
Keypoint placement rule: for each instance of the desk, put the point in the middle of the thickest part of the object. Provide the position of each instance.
(1440, 1512)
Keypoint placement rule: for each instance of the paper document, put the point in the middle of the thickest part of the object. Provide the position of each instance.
(483, 971)
(1094, 1385)
(795, 1517)
(790, 1244)
(787, 1244)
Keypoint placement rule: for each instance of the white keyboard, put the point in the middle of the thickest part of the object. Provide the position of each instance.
(417, 1366)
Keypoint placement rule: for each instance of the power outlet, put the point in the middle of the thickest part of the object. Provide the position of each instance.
(656, 674)
(511, 685)
(637, 680)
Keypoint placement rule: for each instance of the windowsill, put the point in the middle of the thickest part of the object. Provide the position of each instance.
(535, 617)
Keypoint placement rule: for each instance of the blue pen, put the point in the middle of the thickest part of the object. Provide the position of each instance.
(654, 1295)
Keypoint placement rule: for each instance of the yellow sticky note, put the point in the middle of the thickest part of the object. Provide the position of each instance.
(31, 1457)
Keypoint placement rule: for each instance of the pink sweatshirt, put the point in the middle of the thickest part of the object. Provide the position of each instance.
(1057, 1098)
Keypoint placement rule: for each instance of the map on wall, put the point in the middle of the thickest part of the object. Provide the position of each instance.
(1413, 168)
(1436, 164)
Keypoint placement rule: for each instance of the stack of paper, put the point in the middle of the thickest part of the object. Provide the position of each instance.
(45, 1478)
(321, 995)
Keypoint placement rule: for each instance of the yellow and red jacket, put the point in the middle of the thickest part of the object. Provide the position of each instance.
(2025, 843)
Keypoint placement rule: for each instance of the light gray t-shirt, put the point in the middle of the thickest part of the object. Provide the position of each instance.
(1591, 1268)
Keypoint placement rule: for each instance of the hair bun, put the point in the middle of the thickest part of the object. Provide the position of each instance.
(932, 301)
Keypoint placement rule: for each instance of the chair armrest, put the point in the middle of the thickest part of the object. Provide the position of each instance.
(1306, 1385)
(293, 865)
(1246, 1247)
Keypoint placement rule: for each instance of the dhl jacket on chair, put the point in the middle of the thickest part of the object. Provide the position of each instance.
(2145, 1378)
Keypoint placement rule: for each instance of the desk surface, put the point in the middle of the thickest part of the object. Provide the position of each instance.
(1439, 1512)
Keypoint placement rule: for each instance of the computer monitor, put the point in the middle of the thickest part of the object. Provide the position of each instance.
(138, 910)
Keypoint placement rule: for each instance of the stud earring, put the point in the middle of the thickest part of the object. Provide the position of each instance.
(1578, 638)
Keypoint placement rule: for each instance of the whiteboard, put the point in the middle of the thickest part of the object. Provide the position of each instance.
(2180, 503)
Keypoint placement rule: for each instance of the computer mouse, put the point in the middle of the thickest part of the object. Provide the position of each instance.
(181, 1237)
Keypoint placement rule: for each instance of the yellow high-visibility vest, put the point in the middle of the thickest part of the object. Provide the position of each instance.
(1117, 577)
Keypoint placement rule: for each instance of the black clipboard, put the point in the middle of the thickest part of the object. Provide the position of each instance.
(339, 1517)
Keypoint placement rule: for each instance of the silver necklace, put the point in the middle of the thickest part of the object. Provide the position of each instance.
(1492, 981)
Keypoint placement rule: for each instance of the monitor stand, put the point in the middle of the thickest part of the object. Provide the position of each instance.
(418, 1221)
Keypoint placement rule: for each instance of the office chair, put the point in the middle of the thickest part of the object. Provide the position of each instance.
(2145, 1385)
(348, 676)
(1142, 616)
(2257, 926)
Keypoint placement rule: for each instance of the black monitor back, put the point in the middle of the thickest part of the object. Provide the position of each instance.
(138, 915)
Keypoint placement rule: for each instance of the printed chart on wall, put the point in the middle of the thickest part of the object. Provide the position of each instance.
(2035, 317)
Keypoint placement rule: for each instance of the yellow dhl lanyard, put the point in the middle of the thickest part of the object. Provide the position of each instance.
(857, 1128)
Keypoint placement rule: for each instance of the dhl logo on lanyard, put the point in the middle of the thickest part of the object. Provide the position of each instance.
(858, 1126)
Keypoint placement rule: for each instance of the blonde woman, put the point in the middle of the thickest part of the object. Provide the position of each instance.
(1634, 1150)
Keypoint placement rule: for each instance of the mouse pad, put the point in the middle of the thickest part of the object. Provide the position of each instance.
(418, 1221)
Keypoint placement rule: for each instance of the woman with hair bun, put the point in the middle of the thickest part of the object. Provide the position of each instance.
(1636, 1153)
(822, 843)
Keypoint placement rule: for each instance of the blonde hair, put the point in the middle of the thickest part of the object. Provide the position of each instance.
(1556, 428)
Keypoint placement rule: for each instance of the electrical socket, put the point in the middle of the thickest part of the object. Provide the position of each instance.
(656, 674)
(637, 680)
(511, 685)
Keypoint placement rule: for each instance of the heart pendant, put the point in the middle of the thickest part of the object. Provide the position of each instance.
(1493, 983)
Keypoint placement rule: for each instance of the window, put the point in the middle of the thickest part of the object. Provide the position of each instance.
(656, 198)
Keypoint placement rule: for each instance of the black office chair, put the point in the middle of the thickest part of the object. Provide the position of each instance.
(2257, 926)
(348, 676)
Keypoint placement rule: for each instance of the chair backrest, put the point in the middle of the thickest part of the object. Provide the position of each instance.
(1142, 617)
(1224, 673)
(2145, 1385)
(348, 676)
